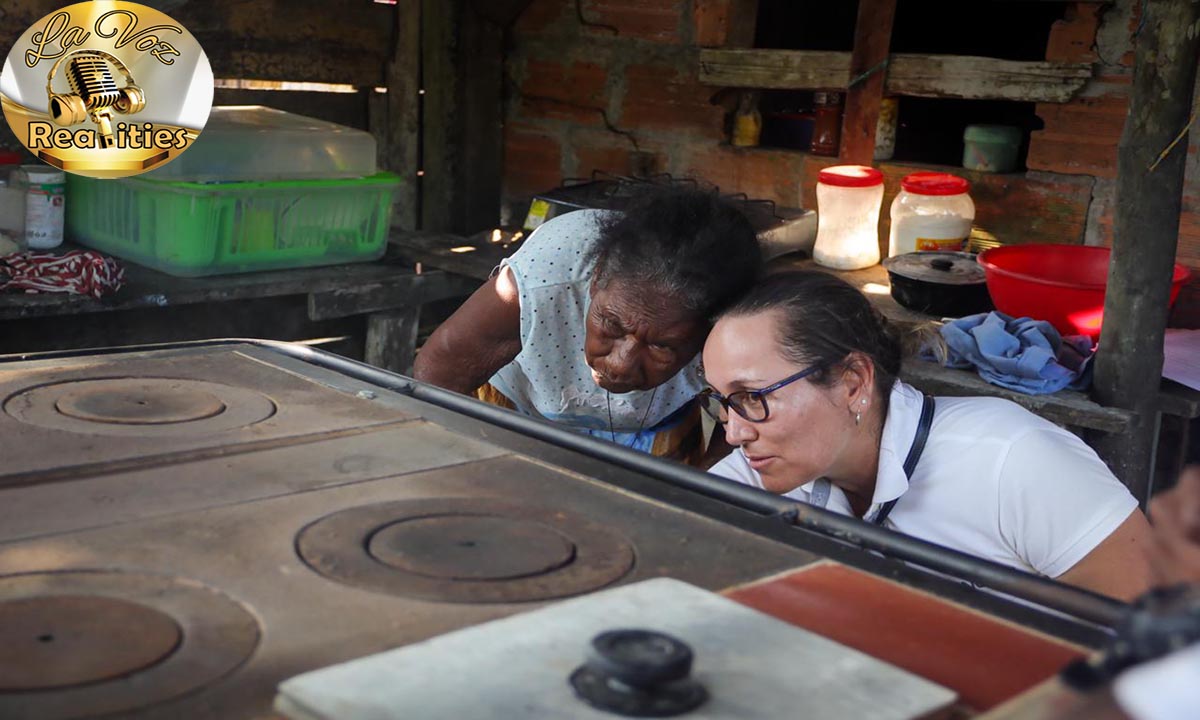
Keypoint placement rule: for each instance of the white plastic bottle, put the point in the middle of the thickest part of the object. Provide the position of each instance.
(45, 199)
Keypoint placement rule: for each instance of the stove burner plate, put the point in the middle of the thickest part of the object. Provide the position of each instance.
(66, 640)
(471, 547)
(465, 550)
(145, 407)
(85, 643)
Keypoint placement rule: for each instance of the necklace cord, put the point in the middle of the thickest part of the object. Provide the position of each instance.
(612, 430)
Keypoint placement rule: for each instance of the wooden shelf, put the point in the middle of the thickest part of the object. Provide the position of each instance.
(938, 76)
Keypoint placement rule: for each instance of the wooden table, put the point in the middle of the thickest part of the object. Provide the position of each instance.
(372, 306)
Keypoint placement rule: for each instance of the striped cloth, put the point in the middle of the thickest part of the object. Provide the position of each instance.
(78, 272)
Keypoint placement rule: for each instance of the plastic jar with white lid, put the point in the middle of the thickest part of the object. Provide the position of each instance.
(848, 202)
(44, 188)
(933, 211)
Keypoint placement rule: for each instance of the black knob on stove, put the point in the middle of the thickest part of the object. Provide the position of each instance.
(638, 673)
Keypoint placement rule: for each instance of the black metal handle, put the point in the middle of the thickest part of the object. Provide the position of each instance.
(641, 658)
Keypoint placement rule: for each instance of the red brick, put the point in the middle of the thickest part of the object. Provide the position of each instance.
(541, 15)
(659, 97)
(761, 174)
(712, 22)
(599, 150)
(572, 92)
(1073, 39)
(654, 20)
(1080, 137)
(532, 160)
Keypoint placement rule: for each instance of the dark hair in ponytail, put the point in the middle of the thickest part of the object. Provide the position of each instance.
(824, 319)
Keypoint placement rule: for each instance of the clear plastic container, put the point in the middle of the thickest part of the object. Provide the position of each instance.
(848, 201)
(255, 143)
(933, 211)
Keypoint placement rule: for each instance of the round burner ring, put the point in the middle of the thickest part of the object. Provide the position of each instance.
(136, 402)
(471, 547)
(110, 641)
(65, 640)
(143, 407)
(466, 550)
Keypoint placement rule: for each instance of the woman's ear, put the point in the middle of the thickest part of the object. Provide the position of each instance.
(858, 380)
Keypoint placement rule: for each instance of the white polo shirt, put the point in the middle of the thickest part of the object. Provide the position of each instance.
(994, 481)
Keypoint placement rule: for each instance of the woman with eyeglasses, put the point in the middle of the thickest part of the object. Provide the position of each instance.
(803, 375)
(597, 321)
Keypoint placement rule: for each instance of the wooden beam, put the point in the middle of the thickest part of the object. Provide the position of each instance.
(406, 291)
(868, 68)
(1066, 407)
(298, 40)
(1150, 174)
(956, 76)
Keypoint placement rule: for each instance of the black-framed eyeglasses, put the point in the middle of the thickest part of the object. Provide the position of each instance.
(750, 404)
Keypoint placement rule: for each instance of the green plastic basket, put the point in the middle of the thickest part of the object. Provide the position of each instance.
(196, 229)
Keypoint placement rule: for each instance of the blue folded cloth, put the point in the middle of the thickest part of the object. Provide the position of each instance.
(1018, 353)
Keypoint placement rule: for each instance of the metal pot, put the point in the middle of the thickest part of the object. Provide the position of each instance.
(941, 283)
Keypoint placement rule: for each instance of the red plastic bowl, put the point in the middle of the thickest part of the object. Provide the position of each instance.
(1063, 284)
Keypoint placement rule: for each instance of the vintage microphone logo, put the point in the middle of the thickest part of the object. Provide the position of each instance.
(94, 93)
(106, 88)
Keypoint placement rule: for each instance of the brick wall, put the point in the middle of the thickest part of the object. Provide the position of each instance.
(613, 87)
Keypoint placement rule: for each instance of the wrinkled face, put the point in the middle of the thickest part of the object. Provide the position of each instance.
(809, 427)
(638, 338)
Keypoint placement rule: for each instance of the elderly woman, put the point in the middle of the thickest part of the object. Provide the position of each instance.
(804, 375)
(598, 320)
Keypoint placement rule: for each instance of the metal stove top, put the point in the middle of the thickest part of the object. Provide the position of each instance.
(183, 529)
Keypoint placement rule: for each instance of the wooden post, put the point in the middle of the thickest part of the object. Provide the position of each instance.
(392, 339)
(1145, 232)
(482, 141)
(441, 119)
(403, 112)
(462, 143)
(872, 41)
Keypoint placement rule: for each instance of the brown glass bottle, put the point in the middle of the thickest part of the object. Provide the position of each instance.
(827, 127)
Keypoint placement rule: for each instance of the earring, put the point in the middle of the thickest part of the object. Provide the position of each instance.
(864, 401)
(857, 418)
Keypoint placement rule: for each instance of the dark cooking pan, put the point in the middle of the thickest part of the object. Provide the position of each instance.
(942, 283)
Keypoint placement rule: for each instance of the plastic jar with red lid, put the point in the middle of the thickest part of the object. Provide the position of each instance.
(848, 203)
(933, 211)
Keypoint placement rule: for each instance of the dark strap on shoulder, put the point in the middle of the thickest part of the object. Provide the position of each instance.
(914, 453)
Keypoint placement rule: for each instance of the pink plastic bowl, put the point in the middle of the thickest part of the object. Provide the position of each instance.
(1063, 284)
